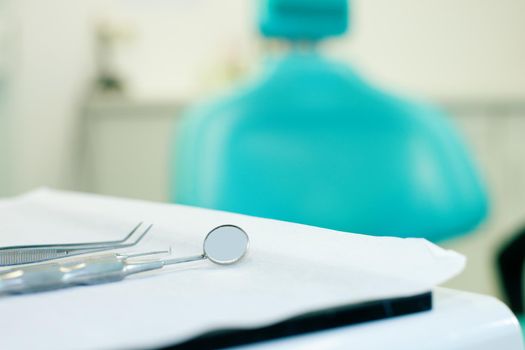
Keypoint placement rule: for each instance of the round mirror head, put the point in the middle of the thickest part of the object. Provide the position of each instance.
(226, 244)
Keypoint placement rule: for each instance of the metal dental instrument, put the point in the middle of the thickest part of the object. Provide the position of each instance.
(26, 254)
(223, 245)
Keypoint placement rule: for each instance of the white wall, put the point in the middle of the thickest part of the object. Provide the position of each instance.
(4, 166)
(446, 49)
(4, 144)
(4, 182)
(53, 61)
(175, 47)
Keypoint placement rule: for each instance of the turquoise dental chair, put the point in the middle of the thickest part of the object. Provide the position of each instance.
(310, 141)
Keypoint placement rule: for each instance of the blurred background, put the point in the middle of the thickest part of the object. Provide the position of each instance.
(90, 90)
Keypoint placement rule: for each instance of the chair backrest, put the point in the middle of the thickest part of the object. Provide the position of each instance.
(311, 142)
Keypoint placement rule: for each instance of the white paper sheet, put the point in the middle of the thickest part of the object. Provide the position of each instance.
(290, 269)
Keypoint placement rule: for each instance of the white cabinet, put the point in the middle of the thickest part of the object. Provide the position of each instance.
(124, 148)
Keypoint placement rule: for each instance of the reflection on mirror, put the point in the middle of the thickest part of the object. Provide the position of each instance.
(226, 244)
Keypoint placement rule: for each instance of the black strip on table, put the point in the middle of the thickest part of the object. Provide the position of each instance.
(310, 322)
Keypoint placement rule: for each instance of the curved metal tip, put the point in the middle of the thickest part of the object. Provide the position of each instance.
(143, 234)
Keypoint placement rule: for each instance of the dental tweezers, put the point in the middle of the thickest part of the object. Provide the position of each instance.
(26, 254)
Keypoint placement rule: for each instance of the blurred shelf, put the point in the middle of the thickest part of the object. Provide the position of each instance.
(124, 108)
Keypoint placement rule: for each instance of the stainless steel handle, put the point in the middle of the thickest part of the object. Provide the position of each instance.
(49, 276)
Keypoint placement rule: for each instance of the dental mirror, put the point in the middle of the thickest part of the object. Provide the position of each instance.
(224, 245)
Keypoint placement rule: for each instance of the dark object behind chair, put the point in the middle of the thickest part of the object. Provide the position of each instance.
(509, 262)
